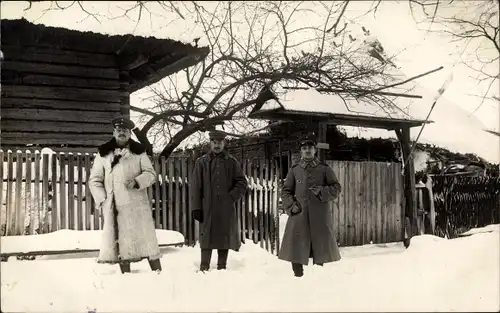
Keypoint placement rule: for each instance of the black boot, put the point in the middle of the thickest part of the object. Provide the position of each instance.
(222, 255)
(206, 256)
(155, 265)
(298, 269)
(124, 267)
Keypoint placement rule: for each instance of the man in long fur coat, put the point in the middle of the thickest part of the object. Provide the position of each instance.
(118, 180)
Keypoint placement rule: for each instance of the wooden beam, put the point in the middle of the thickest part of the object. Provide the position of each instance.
(339, 119)
(58, 115)
(62, 93)
(18, 78)
(385, 93)
(82, 127)
(24, 103)
(128, 63)
(19, 138)
(72, 251)
(409, 180)
(165, 69)
(58, 69)
(322, 139)
(492, 132)
(58, 56)
(323, 145)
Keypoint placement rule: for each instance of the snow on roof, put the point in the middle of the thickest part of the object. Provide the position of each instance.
(453, 128)
(311, 100)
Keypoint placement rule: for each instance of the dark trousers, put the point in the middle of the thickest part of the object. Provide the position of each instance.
(206, 256)
(154, 264)
(298, 269)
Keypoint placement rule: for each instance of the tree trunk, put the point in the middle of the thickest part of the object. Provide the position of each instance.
(178, 138)
(144, 140)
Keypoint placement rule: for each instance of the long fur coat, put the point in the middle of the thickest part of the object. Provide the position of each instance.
(128, 233)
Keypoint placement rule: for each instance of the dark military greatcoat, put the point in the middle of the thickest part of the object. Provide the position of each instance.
(311, 186)
(217, 184)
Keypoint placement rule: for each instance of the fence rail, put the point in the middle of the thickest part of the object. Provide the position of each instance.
(46, 192)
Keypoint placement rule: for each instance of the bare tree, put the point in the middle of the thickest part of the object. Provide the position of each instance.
(474, 24)
(257, 51)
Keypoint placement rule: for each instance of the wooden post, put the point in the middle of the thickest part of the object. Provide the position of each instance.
(322, 138)
(409, 182)
(432, 213)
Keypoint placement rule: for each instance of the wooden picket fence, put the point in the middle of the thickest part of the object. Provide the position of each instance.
(42, 193)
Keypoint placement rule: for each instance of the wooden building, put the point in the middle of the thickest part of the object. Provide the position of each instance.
(313, 108)
(61, 87)
(379, 202)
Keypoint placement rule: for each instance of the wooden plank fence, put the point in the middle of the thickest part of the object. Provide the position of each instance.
(39, 194)
(42, 193)
(370, 207)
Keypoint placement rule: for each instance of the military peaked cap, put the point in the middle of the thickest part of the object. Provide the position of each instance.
(308, 139)
(216, 135)
(123, 122)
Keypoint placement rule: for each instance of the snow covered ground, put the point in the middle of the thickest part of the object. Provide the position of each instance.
(434, 274)
(66, 239)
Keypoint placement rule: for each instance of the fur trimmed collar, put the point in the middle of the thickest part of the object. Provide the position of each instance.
(134, 147)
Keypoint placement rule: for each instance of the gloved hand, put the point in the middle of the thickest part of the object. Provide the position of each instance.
(295, 209)
(318, 192)
(197, 215)
(131, 184)
(315, 190)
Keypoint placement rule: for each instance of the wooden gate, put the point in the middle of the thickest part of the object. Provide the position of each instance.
(370, 207)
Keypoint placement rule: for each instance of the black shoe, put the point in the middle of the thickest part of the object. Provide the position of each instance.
(204, 267)
(298, 269)
(155, 265)
(221, 266)
(125, 268)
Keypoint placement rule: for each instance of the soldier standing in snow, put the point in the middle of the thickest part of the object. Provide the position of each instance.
(308, 188)
(118, 180)
(218, 182)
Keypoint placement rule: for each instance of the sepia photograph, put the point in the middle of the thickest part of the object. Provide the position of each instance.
(250, 156)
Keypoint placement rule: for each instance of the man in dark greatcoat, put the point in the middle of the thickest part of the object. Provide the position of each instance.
(309, 187)
(218, 183)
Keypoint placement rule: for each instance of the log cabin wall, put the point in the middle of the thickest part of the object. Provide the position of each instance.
(59, 98)
(61, 87)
